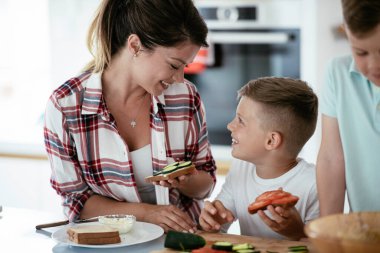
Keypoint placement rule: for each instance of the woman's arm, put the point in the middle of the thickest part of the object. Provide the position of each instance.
(331, 182)
(166, 216)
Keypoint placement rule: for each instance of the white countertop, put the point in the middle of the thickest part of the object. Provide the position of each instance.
(18, 234)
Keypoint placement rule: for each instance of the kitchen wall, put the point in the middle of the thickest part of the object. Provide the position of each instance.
(320, 43)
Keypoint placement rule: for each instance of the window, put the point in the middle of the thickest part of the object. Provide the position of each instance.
(42, 44)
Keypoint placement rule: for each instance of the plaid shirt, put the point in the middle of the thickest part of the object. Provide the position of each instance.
(88, 156)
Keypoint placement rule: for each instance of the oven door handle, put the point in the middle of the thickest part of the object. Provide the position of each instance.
(248, 37)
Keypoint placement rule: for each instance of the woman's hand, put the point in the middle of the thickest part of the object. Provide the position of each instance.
(170, 217)
(213, 215)
(286, 222)
(194, 185)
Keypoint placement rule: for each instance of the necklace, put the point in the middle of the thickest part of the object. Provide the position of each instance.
(133, 122)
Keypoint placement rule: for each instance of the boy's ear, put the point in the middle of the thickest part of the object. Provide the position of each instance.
(273, 141)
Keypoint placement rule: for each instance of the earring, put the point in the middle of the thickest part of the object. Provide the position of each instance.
(137, 52)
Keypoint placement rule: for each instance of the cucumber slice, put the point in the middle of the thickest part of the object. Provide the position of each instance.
(301, 248)
(183, 241)
(184, 164)
(248, 251)
(172, 164)
(157, 173)
(241, 246)
(169, 170)
(226, 246)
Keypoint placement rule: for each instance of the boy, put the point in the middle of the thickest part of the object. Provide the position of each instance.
(274, 119)
(349, 156)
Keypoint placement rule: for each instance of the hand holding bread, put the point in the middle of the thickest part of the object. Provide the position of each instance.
(172, 171)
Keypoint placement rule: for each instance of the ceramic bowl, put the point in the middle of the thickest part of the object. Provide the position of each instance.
(123, 222)
(346, 233)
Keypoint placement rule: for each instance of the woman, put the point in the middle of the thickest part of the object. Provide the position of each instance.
(129, 114)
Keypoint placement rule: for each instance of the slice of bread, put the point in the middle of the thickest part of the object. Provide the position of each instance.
(93, 234)
(171, 175)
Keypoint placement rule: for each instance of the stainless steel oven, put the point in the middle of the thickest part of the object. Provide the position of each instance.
(249, 39)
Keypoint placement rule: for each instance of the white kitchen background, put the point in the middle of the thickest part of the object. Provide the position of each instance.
(43, 43)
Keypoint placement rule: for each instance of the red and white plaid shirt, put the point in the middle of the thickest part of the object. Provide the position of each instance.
(88, 156)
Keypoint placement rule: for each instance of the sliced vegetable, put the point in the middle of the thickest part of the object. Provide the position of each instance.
(248, 251)
(183, 241)
(208, 250)
(242, 246)
(226, 246)
(184, 164)
(301, 248)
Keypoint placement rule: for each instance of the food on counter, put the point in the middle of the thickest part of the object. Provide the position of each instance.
(183, 241)
(274, 198)
(242, 246)
(93, 234)
(172, 171)
(299, 249)
(207, 249)
(122, 222)
(226, 246)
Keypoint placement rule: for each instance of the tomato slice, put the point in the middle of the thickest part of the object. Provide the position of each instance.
(286, 200)
(275, 197)
(207, 250)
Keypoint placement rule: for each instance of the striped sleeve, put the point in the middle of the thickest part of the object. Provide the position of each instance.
(66, 178)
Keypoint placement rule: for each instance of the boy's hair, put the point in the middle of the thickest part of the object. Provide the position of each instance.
(290, 107)
(361, 16)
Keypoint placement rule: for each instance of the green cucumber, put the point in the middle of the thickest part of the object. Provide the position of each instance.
(157, 173)
(241, 246)
(184, 164)
(247, 251)
(301, 248)
(226, 246)
(167, 169)
(183, 241)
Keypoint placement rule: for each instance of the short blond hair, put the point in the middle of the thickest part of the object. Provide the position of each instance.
(290, 107)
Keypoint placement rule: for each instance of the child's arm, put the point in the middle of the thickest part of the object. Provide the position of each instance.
(286, 222)
(214, 215)
(331, 182)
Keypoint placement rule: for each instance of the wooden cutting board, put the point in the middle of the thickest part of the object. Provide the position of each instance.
(262, 244)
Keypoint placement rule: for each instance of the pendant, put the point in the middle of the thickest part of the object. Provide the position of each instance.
(133, 123)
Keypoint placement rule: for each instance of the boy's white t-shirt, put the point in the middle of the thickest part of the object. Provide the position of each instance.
(242, 186)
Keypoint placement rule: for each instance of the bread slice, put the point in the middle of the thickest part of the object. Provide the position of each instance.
(93, 234)
(174, 174)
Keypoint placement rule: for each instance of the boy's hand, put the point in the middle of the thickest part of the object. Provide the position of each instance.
(213, 215)
(286, 222)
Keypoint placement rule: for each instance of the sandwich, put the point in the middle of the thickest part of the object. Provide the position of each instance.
(274, 198)
(172, 171)
(93, 234)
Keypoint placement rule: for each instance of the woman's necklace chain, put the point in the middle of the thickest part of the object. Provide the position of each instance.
(133, 122)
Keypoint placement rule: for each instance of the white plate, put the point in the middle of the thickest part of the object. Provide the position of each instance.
(140, 233)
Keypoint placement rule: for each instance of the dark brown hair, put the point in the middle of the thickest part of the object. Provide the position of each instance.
(290, 107)
(361, 16)
(156, 22)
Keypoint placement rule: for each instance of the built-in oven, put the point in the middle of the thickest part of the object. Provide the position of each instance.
(248, 39)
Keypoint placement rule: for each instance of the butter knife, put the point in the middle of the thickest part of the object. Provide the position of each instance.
(65, 222)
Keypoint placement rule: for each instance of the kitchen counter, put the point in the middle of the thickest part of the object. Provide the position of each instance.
(262, 244)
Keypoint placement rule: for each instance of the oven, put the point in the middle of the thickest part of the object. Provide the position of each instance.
(248, 39)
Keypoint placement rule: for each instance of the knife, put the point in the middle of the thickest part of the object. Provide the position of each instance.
(65, 222)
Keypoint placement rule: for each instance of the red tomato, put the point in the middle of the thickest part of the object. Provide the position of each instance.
(207, 250)
(276, 197)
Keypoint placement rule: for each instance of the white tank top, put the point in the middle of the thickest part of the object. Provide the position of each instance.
(142, 167)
